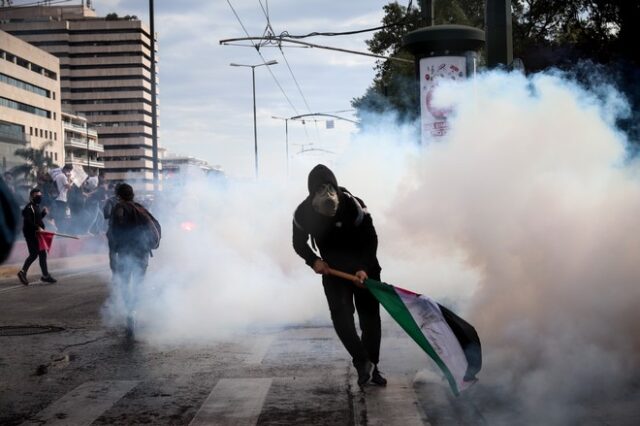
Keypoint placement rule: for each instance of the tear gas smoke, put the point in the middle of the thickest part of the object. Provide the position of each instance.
(524, 218)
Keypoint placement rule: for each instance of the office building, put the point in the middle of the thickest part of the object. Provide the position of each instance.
(30, 112)
(105, 75)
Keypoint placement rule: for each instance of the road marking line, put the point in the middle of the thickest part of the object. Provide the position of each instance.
(84, 404)
(259, 349)
(395, 404)
(11, 288)
(235, 402)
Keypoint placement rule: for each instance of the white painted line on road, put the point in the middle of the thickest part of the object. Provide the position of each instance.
(11, 288)
(236, 402)
(259, 349)
(395, 404)
(84, 404)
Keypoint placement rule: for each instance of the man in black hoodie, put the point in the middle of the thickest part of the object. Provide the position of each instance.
(341, 228)
(130, 246)
(32, 223)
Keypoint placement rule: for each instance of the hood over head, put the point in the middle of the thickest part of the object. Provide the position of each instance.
(319, 176)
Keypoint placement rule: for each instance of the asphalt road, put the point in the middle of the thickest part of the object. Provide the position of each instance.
(85, 373)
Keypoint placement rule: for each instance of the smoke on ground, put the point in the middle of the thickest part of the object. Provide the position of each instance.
(524, 218)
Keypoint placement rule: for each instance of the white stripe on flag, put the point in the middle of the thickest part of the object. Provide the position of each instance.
(236, 402)
(427, 314)
(84, 404)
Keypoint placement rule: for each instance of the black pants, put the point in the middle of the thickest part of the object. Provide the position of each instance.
(129, 270)
(35, 252)
(341, 295)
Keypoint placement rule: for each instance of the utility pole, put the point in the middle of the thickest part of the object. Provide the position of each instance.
(253, 80)
(286, 137)
(86, 127)
(154, 108)
(427, 7)
(499, 33)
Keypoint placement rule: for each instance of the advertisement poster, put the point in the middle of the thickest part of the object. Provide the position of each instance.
(432, 71)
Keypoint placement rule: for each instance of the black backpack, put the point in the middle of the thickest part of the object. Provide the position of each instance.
(152, 230)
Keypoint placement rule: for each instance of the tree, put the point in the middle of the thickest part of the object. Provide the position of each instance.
(546, 34)
(37, 163)
(394, 87)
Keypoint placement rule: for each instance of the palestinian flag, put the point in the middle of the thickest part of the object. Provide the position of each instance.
(448, 339)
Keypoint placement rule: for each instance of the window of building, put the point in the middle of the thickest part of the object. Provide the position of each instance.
(56, 156)
(23, 85)
(41, 133)
(30, 131)
(24, 107)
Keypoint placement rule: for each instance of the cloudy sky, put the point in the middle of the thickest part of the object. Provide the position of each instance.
(206, 105)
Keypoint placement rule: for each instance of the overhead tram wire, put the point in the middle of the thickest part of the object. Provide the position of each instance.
(333, 34)
(278, 40)
(257, 47)
(269, 31)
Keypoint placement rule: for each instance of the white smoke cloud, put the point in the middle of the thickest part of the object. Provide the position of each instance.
(532, 187)
(523, 219)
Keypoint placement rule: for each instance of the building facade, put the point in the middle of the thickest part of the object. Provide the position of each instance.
(105, 75)
(178, 169)
(81, 147)
(30, 111)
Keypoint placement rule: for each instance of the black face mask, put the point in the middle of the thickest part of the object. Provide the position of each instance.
(37, 199)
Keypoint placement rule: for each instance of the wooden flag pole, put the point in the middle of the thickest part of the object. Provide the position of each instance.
(60, 235)
(344, 275)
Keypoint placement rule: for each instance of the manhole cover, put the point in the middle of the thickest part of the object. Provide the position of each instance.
(27, 330)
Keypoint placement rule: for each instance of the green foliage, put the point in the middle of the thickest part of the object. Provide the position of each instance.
(394, 87)
(546, 33)
(36, 163)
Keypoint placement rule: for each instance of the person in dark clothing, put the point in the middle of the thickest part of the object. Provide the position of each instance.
(128, 229)
(32, 223)
(109, 204)
(9, 218)
(342, 229)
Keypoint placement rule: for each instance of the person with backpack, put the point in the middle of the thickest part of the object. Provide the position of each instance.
(342, 229)
(133, 233)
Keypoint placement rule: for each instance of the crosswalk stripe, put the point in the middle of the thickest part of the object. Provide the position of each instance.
(259, 350)
(84, 404)
(395, 404)
(235, 402)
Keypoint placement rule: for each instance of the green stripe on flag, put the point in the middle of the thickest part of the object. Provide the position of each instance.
(387, 296)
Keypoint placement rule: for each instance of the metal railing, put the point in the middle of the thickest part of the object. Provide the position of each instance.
(82, 143)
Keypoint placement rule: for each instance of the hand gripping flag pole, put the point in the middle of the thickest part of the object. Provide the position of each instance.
(449, 340)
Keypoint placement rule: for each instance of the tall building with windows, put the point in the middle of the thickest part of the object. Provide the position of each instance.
(81, 145)
(30, 113)
(105, 75)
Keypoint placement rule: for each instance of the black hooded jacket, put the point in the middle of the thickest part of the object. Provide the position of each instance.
(348, 241)
(32, 216)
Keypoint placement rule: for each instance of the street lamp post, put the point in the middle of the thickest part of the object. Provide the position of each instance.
(253, 79)
(286, 137)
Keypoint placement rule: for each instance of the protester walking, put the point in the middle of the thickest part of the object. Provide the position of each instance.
(133, 232)
(342, 229)
(109, 204)
(63, 183)
(32, 216)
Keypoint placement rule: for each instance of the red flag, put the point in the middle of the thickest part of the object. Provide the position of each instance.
(45, 239)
